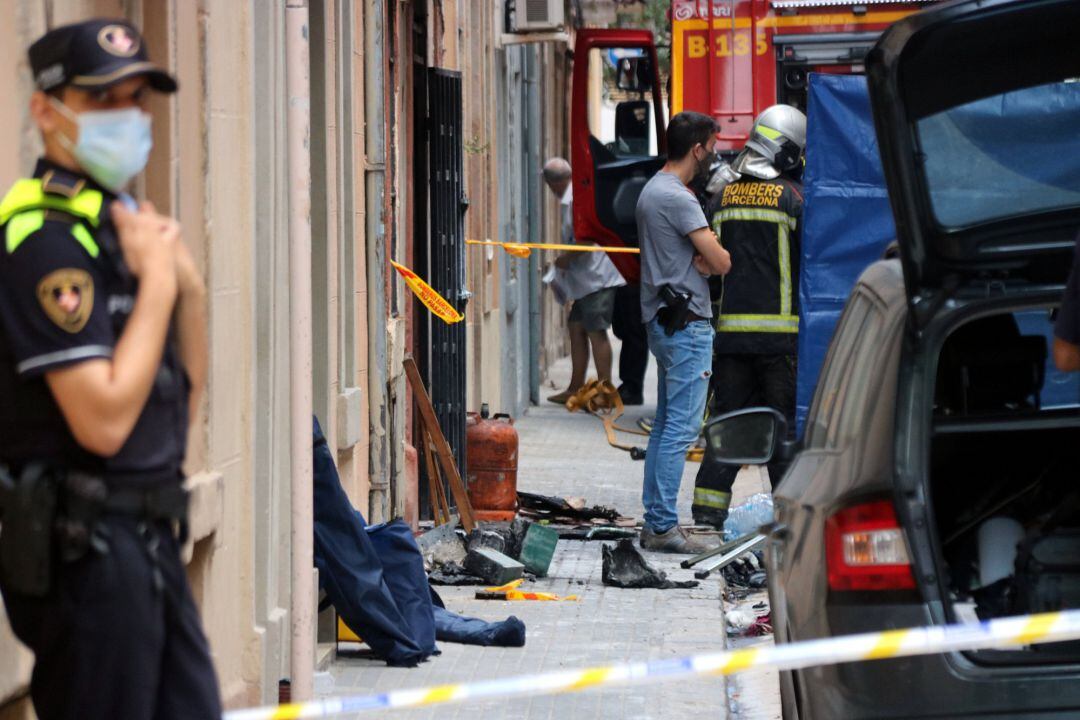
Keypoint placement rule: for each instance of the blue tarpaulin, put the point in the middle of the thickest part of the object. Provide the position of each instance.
(352, 574)
(374, 577)
(847, 221)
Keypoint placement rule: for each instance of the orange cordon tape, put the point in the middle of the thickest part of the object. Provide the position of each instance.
(510, 591)
(601, 399)
(524, 249)
(432, 300)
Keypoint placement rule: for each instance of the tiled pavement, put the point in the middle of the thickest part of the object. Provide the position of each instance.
(566, 454)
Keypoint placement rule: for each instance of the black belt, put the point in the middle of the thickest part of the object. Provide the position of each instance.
(158, 503)
(692, 316)
(149, 496)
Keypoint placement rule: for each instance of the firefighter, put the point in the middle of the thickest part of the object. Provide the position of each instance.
(758, 219)
(102, 357)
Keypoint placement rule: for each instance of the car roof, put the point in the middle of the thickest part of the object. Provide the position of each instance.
(980, 62)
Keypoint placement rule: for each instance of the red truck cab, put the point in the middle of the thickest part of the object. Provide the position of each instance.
(617, 136)
(729, 58)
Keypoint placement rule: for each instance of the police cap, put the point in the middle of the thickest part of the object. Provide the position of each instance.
(94, 55)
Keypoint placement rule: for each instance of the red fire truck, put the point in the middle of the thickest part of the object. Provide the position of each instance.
(729, 58)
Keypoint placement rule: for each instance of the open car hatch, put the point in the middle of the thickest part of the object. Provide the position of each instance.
(977, 111)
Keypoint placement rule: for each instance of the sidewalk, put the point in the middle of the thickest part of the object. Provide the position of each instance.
(566, 454)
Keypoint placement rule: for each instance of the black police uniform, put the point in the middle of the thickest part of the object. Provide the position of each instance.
(109, 615)
(757, 318)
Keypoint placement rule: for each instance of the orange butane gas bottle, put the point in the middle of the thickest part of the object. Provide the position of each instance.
(491, 461)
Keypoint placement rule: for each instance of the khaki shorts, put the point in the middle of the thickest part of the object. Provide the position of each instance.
(594, 311)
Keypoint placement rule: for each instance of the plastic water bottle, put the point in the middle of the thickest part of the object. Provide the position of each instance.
(748, 517)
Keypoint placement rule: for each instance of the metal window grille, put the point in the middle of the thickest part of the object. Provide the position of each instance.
(445, 352)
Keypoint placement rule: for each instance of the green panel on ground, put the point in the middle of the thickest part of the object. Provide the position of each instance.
(538, 549)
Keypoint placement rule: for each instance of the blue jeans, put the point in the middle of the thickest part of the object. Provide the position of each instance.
(683, 363)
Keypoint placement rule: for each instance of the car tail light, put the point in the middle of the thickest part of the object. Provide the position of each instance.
(865, 549)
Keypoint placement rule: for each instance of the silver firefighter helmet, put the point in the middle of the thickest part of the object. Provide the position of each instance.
(776, 143)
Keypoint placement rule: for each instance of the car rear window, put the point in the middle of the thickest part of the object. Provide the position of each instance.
(1002, 364)
(1009, 155)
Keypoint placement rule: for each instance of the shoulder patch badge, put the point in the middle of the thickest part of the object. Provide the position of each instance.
(67, 297)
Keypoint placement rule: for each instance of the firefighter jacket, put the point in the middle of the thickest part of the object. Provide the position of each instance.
(757, 308)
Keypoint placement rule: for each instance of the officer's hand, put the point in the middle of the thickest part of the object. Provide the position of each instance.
(148, 241)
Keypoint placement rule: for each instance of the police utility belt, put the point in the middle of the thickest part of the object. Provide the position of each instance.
(50, 513)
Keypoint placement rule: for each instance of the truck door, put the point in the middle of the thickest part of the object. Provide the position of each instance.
(617, 136)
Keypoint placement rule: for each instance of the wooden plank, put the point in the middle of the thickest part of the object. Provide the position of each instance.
(442, 448)
(433, 482)
(436, 485)
(440, 487)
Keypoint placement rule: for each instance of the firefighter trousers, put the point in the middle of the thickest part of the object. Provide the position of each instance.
(634, 355)
(742, 381)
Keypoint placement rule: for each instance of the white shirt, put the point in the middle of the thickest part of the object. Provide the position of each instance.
(588, 271)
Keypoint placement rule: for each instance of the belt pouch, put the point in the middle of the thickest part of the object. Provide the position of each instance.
(26, 537)
(83, 501)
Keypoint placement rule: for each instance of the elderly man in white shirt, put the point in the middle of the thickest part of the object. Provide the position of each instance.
(590, 279)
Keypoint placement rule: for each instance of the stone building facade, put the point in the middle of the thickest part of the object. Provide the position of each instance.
(220, 165)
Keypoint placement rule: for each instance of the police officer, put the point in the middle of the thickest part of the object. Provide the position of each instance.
(102, 357)
(757, 218)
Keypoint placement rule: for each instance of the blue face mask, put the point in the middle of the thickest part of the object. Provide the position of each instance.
(113, 145)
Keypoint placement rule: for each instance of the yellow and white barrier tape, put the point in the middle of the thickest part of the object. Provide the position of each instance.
(1000, 633)
(523, 249)
(432, 300)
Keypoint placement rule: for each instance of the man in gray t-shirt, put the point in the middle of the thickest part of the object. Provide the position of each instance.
(667, 212)
(679, 251)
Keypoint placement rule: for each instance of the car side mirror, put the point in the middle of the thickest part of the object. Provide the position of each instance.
(748, 437)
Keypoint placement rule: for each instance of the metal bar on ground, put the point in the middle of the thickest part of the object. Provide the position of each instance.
(726, 559)
(691, 562)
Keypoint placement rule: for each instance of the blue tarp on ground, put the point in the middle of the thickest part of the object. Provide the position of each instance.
(847, 221)
(351, 572)
(374, 577)
(451, 627)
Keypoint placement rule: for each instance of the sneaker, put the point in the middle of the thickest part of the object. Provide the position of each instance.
(676, 540)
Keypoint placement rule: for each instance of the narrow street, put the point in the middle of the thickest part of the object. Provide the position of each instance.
(263, 260)
(566, 454)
